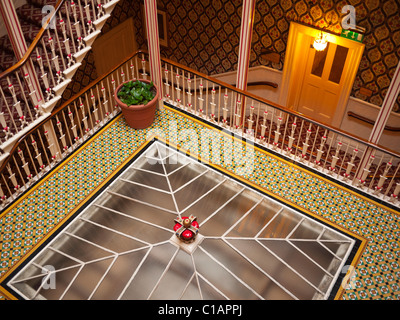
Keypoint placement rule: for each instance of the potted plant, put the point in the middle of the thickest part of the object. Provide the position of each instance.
(138, 102)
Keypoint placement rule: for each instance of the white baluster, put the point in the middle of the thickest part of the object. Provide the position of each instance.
(132, 67)
(395, 194)
(250, 121)
(277, 131)
(105, 100)
(32, 94)
(54, 59)
(365, 170)
(225, 109)
(77, 27)
(12, 177)
(212, 103)
(17, 103)
(122, 76)
(25, 165)
(166, 83)
(44, 76)
(6, 129)
(383, 177)
(38, 156)
(350, 164)
(305, 144)
(201, 100)
(189, 93)
(264, 125)
(51, 146)
(95, 109)
(70, 58)
(100, 9)
(62, 135)
(238, 112)
(90, 25)
(3, 197)
(144, 74)
(177, 88)
(335, 158)
(320, 151)
(84, 117)
(73, 125)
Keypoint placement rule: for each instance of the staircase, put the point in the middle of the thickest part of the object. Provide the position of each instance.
(29, 93)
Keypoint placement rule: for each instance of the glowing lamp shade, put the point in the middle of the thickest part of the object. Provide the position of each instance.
(320, 42)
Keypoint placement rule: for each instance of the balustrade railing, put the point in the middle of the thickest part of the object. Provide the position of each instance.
(34, 85)
(332, 152)
(69, 125)
(336, 154)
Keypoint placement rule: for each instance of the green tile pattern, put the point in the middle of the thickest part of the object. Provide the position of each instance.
(377, 274)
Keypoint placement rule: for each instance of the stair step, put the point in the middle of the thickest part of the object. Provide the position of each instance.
(31, 16)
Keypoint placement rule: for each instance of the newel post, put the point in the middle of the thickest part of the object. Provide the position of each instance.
(153, 44)
(246, 31)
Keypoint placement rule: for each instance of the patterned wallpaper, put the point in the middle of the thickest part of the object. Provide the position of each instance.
(204, 34)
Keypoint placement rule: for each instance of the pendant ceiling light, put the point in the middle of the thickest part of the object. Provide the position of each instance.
(320, 42)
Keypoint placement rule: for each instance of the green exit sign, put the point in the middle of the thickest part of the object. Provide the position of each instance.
(352, 35)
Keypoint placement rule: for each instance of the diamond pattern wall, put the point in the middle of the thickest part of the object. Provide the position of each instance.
(205, 35)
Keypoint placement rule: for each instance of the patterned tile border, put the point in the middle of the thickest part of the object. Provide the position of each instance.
(47, 203)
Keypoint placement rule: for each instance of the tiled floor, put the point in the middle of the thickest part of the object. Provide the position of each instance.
(50, 201)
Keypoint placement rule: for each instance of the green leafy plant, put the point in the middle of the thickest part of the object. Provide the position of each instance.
(136, 92)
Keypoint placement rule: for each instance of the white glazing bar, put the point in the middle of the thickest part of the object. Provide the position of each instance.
(135, 273)
(134, 218)
(243, 216)
(164, 272)
(145, 170)
(231, 273)
(188, 284)
(190, 181)
(267, 224)
(90, 242)
(289, 267)
(170, 189)
(329, 250)
(103, 277)
(204, 195)
(308, 257)
(261, 270)
(144, 185)
(222, 206)
(175, 170)
(212, 286)
(197, 276)
(117, 232)
(38, 276)
(135, 200)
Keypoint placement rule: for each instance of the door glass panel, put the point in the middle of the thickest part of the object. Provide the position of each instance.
(319, 62)
(338, 64)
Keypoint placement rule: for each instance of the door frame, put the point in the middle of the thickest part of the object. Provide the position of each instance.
(294, 67)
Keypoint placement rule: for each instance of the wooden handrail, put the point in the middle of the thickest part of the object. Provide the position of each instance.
(262, 83)
(369, 121)
(285, 109)
(34, 43)
(62, 106)
(249, 84)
